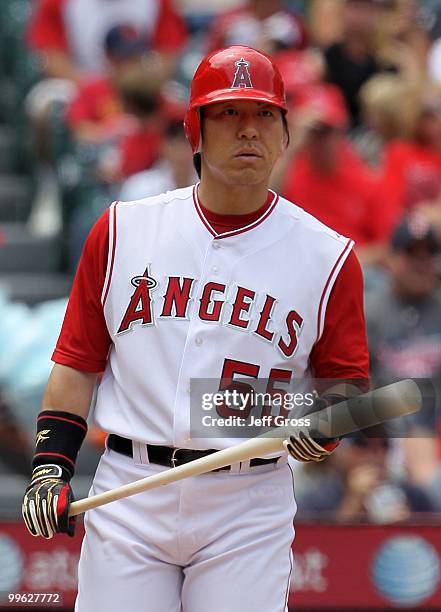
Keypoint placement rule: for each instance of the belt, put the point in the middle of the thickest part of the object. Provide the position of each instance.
(172, 457)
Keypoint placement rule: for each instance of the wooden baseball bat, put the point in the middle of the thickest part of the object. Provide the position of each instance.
(363, 411)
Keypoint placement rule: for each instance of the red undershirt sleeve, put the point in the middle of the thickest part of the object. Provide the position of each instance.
(84, 340)
(342, 351)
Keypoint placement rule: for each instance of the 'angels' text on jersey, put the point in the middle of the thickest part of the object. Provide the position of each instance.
(214, 307)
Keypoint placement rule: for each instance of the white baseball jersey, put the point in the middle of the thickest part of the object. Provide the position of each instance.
(182, 302)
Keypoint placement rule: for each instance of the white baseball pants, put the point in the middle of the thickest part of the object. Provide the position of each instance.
(220, 542)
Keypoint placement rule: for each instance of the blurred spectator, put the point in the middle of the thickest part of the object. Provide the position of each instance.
(351, 62)
(357, 485)
(402, 37)
(112, 150)
(412, 168)
(173, 170)
(322, 173)
(403, 318)
(120, 111)
(326, 21)
(96, 113)
(263, 24)
(404, 332)
(380, 97)
(108, 164)
(300, 70)
(70, 33)
(139, 147)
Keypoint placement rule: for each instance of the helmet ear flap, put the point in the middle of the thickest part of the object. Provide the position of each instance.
(192, 125)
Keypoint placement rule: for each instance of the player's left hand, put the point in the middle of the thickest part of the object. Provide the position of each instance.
(46, 502)
(308, 448)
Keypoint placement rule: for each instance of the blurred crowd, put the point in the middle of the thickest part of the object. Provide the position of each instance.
(103, 90)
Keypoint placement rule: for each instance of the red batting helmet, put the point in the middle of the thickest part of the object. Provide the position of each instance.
(235, 73)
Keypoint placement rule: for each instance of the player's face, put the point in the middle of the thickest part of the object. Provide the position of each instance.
(241, 141)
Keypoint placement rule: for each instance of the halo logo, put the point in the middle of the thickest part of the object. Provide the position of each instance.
(11, 564)
(242, 77)
(406, 570)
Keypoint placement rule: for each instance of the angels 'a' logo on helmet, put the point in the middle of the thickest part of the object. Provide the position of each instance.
(242, 76)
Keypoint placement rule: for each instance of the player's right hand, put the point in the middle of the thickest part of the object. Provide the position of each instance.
(46, 502)
(308, 448)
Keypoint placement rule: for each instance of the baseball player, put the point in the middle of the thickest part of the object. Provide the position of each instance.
(220, 280)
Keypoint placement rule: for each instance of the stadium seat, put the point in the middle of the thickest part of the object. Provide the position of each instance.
(15, 198)
(7, 144)
(21, 252)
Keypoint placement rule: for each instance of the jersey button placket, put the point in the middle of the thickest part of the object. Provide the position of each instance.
(181, 420)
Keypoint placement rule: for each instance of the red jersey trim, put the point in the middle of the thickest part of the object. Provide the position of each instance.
(341, 259)
(93, 367)
(111, 255)
(240, 230)
(199, 211)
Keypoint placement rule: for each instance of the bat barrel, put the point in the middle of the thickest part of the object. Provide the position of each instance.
(367, 410)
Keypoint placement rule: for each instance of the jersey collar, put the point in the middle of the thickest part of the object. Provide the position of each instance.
(268, 210)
